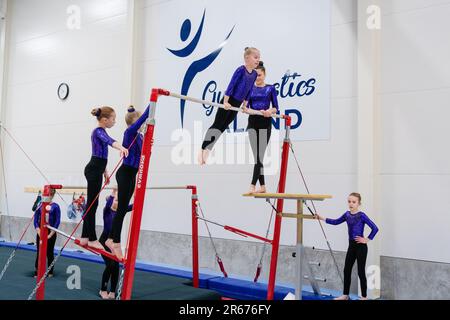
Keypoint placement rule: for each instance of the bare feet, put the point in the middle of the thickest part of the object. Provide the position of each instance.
(110, 244)
(112, 296)
(104, 295)
(95, 244)
(84, 241)
(117, 250)
(205, 155)
(262, 189)
(200, 157)
(252, 189)
(363, 298)
(343, 297)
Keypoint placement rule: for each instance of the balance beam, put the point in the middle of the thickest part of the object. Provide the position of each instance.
(294, 196)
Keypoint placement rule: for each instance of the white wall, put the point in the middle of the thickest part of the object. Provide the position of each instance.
(415, 97)
(43, 52)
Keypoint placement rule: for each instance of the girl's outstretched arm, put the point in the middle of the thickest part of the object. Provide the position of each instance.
(139, 122)
(337, 221)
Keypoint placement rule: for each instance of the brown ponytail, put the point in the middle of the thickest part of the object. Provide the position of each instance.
(261, 67)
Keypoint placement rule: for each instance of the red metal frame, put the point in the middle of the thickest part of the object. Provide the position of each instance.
(42, 262)
(99, 251)
(246, 234)
(278, 219)
(195, 264)
(138, 204)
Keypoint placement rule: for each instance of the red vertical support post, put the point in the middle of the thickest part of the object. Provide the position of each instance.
(278, 219)
(195, 270)
(139, 197)
(43, 240)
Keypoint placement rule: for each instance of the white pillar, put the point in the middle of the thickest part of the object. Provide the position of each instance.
(4, 52)
(130, 77)
(132, 28)
(369, 122)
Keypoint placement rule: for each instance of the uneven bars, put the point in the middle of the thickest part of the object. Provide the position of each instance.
(218, 105)
(80, 188)
(60, 232)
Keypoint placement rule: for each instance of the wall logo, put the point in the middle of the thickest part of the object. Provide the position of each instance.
(198, 65)
(290, 85)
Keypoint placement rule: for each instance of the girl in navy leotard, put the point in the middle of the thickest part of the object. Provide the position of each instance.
(237, 93)
(96, 169)
(263, 98)
(111, 272)
(126, 175)
(357, 249)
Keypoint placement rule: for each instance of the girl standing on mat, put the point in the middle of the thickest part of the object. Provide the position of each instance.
(357, 249)
(111, 272)
(126, 175)
(96, 169)
(54, 218)
(237, 93)
(259, 128)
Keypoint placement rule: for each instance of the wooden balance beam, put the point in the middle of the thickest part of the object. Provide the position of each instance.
(292, 196)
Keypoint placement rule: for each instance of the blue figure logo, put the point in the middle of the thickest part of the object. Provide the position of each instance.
(198, 65)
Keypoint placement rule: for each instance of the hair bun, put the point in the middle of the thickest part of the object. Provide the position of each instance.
(96, 112)
(246, 48)
(131, 109)
(261, 64)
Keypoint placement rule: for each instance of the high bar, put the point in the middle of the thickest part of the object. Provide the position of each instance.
(214, 104)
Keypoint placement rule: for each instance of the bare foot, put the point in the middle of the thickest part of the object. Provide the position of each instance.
(343, 297)
(104, 295)
(252, 189)
(205, 155)
(363, 298)
(95, 244)
(112, 296)
(200, 158)
(84, 241)
(117, 250)
(262, 190)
